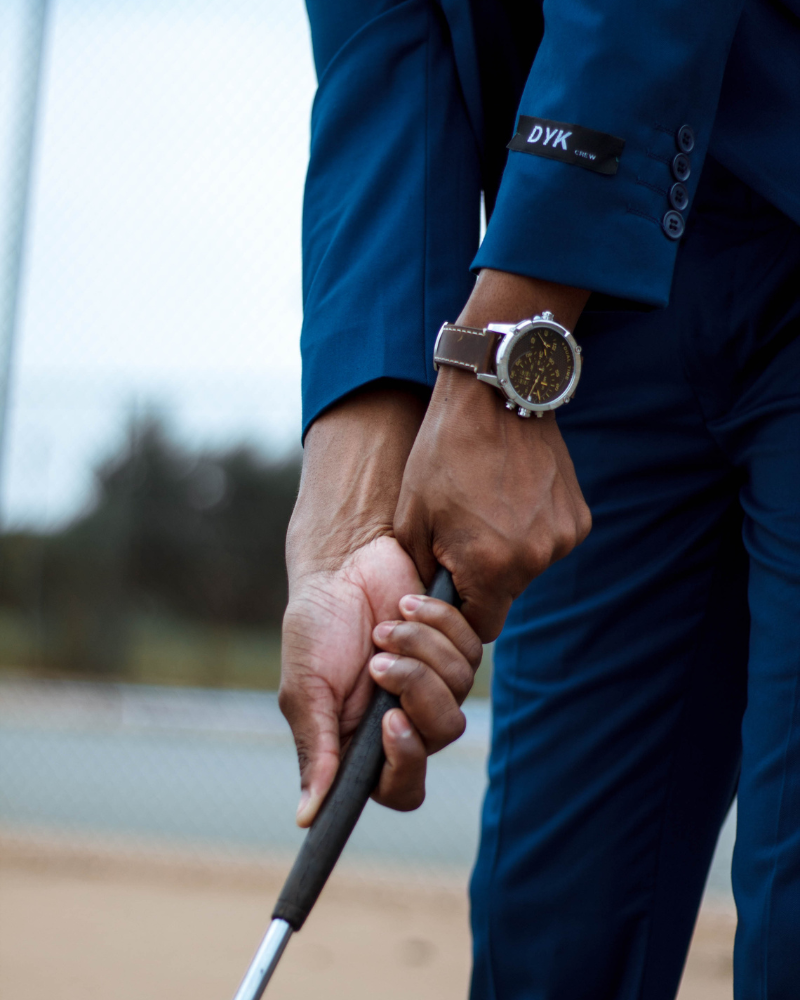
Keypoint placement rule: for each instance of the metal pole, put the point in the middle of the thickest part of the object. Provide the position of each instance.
(21, 157)
(264, 962)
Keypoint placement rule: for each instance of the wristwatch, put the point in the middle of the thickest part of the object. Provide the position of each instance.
(536, 363)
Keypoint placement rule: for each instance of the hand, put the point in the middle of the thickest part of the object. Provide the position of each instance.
(346, 575)
(327, 642)
(429, 660)
(490, 496)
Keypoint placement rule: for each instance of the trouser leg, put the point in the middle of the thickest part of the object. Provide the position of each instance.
(621, 676)
(745, 368)
(766, 868)
(760, 430)
(614, 757)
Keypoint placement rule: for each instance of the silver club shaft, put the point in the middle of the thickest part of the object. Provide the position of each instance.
(266, 958)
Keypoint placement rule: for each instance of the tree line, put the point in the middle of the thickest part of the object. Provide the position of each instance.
(196, 535)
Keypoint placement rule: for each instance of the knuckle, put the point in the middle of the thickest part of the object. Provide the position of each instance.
(404, 635)
(584, 522)
(573, 530)
(492, 564)
(409, 675)
(305, 755)
(538, 554)
(462, 677)
(462, 636)
(451, 725)
(415, 675)
(564, 541)
(473, 650)
(287, 698)
(303, 758)
(459, 725)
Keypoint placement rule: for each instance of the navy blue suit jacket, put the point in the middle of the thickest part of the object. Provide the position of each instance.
(416, 102)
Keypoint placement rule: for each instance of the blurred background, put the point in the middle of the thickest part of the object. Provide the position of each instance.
(152, 158)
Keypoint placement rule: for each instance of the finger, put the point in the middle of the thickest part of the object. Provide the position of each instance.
(314, 721)
(447, 620)
(425, 698)
(429, 646)
(402, 782)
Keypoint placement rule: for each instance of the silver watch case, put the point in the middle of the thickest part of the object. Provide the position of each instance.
(512, 333)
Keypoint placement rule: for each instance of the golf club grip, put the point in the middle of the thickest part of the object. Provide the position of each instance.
(355, 781)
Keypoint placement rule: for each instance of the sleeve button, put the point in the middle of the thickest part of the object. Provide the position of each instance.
(673, 225)
(678, 196)
(681, 167)
(685, 138)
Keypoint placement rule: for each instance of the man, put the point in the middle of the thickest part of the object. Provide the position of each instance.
(650, 202)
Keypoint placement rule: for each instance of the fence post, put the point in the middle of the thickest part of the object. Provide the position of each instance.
(21, 155)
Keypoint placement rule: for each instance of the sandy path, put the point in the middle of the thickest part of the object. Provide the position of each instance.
(84, 928)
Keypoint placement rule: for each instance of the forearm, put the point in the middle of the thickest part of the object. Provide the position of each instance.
(353, 465)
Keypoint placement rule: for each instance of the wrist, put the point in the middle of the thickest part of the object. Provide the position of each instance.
(502, 297)
(477, 409)
(528, 354)
(353, 463)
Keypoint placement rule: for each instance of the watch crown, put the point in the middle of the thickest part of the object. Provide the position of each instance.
(509, 405)
(548, 316)
(523, 412)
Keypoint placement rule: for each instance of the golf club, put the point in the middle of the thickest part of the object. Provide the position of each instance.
(335, 821)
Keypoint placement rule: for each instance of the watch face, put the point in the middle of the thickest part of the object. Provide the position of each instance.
(540, 365)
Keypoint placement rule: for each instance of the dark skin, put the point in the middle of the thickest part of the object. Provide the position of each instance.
(388, 489)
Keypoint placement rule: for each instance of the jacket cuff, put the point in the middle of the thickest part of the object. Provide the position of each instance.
(562, 223)
(332, 370)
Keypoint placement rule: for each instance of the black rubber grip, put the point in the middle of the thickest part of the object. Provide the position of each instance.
(344, 803)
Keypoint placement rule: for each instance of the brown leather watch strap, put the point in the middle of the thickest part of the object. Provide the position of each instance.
(466, 347)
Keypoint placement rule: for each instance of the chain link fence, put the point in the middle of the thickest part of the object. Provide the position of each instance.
(150, 276)
(162, 254)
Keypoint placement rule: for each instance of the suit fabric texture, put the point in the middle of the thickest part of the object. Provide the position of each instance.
(655, 671)
(645, 677)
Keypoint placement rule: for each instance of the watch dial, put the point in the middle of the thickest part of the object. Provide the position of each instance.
(541, 365)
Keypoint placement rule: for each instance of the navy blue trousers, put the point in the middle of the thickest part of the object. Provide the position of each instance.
(645, 678)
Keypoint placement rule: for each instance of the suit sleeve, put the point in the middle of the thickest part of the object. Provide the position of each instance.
(635, 70)
(392, 198)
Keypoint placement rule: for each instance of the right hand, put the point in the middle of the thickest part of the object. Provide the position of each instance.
(347, 574)
(327, 642)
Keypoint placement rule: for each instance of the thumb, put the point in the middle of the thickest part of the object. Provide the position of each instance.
(314, 721)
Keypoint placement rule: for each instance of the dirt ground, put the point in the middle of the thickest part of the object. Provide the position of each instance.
(116, 928)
